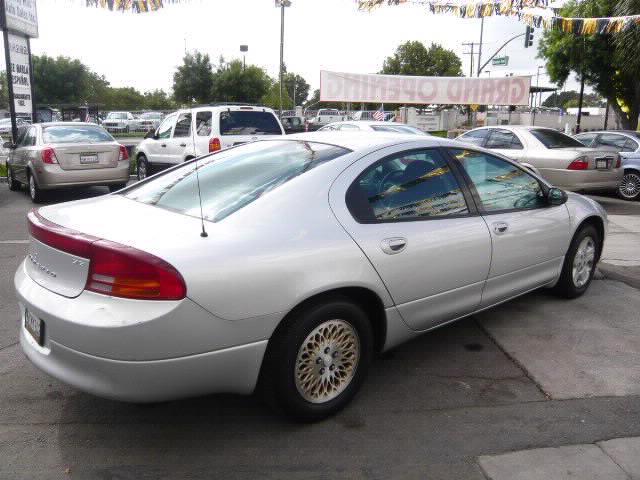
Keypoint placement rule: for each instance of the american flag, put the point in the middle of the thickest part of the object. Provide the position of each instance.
(378, 115)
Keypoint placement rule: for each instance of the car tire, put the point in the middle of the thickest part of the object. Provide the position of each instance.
(143, 167)
(13, 184)
(115, 188)
(317, 359)
(579, 263)
(35, 192)
(629, 188)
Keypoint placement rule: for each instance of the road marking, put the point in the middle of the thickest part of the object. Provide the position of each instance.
(13, 242)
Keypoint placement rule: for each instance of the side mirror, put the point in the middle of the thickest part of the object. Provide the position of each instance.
(556, 196)
(8, 145)
(150, 134)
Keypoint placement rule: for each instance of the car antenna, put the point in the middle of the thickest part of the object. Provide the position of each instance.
(203, 233)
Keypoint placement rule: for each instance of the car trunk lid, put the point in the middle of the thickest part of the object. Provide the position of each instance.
(87, 156)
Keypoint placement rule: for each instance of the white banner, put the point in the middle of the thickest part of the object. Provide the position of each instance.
(19, 59)
(22, 17)
(371, 88)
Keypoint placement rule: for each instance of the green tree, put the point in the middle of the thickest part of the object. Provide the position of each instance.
(193, 80)
(607, 62)
(272, 98)
(296, 87)
(158, 100)
(232, 82)
(569, 98)
(123, 98)
(413, 58)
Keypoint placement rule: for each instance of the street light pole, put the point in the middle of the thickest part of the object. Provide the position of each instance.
(281, 49)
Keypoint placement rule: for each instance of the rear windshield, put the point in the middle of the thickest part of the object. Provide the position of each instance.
(73, 134)
(248, 123)
(397, 129)
(232, 179)
(554, 139)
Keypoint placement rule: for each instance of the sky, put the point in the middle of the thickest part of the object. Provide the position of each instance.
(144, 50)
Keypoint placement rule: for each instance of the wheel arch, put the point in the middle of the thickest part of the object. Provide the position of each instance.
(598, 224)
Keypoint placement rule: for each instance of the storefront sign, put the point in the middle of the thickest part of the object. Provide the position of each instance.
(22, 17)
(371, 88)
(20, 75)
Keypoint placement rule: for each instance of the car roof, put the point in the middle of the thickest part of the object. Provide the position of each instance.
(369, 122)
(66, 124)
(626, 133)
(367, 140)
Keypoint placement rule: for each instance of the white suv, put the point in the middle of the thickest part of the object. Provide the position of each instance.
(193, 132)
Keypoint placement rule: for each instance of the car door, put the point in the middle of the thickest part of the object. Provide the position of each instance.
(157, 148)
(506, 143)
(529, 237)
(181, 139)
(415, 221)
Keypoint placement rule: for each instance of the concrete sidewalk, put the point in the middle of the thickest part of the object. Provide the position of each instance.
(617, 459)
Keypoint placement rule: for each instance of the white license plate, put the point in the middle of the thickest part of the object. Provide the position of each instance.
(34, 326)
(84, 159)
(601, 163)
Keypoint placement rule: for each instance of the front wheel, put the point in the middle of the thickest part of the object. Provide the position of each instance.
(318, 359)
(579, 263)
(14, 185)
(629, 187)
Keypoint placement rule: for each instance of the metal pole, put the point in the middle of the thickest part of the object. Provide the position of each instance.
(606, 115)
(281, 49)
(34, 107)
(580, 102)
(471, 69)
(480, 47)
(12, 110)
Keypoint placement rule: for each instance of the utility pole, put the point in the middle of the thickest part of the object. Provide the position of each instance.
(480, 46)
(580, 102)
(282, 4)
(471, 71)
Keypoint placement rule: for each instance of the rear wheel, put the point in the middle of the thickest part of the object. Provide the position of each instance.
(11, 180)
(318, 359)
(579, 263)
(35, 192)
(143, 167)
(629, 187)
(115, 188)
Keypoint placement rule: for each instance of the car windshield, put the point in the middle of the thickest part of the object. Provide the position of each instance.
(553, 139)
(234, 178)
(248, 123)
(397, 129)
(75, 134)
(116, 116)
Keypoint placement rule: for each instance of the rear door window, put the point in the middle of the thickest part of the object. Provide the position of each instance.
(475, 137)
(241, 122)
(586, 138)
(504, 140)
(203, 123)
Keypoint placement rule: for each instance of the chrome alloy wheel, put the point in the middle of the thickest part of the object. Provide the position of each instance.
(327, 361)
(583, 262)
(142, 170)
(630, 186)
(32, 187)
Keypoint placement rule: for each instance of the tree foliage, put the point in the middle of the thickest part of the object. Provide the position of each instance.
(607, 62)
(232, 82)
(569, 98)
(414, 58)
(272, 98)
(193, 80)
(297, 87)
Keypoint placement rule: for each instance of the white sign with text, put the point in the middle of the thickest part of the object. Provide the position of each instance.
(20, 72)
(22, 17)
(372, 88)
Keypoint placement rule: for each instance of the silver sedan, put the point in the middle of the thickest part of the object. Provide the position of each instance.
(560, 159)
(285, 264)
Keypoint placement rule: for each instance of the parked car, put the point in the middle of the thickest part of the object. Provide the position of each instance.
(294, 124)
(55, 155)
(627, 144)
(190, 133)
(562, 160)
(313, 252)
(150, 120)
(120, 122)
(5, 125)
(323, 117)
(371, 126)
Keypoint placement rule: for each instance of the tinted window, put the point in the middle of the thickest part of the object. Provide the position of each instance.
(183, 126)
(73, 134)
(630, 145)
(22, 132)
(203, 123)
(408, 185)
(475, 137)
(29, 138)
(232, 179)
(248, 123)
(164, 130)
(554, 139)
(586, 138)
(503, 139)
(617, 142)
(500, 184)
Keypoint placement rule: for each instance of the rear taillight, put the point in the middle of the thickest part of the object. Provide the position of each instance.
(49, 156)
(579, 164)
(124, 154)
(114, 269)
(214, 144)
(618, 162)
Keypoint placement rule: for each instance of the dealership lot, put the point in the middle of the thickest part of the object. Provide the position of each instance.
(535, 373)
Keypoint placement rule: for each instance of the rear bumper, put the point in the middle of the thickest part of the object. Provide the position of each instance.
(576, 180)
(138, 351)
(53, 176)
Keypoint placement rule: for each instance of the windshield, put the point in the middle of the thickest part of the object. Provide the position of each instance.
(232, 179)
(554, 139)
(398, 129)
(249, 123)
(117, 116)
(73, 134)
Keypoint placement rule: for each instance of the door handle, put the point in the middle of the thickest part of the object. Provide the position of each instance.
(394, 245)
(183, 144)
(164, 145)
(500, 227)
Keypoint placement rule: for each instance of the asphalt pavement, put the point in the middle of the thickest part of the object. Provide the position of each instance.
(535, 382)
